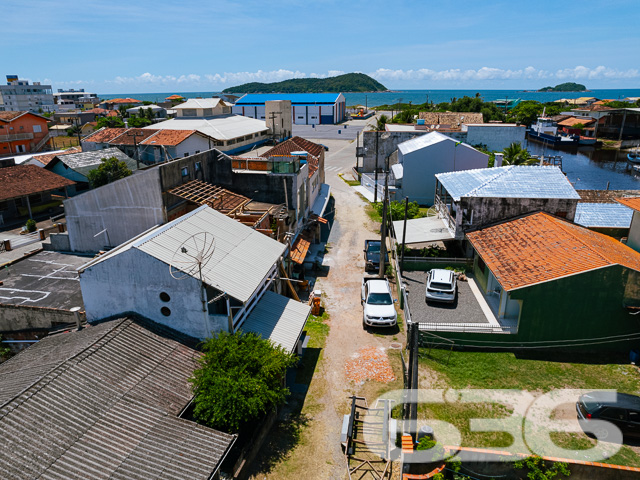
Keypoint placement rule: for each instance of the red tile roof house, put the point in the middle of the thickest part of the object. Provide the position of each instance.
(299, 144)
(26, 190)
(555, 285)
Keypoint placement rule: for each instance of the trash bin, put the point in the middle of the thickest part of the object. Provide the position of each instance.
(634, 356)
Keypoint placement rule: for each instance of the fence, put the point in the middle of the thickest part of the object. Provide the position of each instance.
(467, 328)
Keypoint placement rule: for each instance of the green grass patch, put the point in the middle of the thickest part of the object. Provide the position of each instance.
(372, 212)
(506, 370)
(580, 441)
(317, 329)
(351, 183)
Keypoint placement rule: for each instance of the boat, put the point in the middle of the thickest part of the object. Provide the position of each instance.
(634, 156)
(545, 130)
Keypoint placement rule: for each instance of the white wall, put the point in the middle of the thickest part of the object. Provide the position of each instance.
(132, 282)
(634, 232)
(421, 166)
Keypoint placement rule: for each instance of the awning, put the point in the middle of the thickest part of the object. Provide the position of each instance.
(423, 230)
(279, 319)
(322, 199)
(299, 248)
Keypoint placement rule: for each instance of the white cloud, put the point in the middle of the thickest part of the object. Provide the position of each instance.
(238, 78)
(490, 73)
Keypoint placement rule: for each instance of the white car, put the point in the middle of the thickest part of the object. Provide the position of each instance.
(442, 286)
(378, 304)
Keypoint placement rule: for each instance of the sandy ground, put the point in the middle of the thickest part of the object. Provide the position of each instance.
(318, 455)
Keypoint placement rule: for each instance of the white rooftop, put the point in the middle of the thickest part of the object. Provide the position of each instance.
(223, 127)
(427, 140)
(201, 103)
(241, 259)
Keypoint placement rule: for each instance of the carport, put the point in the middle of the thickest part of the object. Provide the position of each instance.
(423, 230)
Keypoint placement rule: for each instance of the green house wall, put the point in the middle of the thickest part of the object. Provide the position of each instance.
(587, 305)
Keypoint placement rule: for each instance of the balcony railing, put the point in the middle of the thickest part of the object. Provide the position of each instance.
(16, 136)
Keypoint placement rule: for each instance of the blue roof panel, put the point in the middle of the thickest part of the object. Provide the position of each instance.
(295, 98)
(514, 181)
(604, 215)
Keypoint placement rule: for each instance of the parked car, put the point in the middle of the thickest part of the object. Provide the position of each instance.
(609, 415)
(378, 305)
(442, 285)
(372, 255)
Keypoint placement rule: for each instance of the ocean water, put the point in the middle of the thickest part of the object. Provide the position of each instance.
(373, 99)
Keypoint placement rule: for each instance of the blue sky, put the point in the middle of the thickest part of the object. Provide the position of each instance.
(146, 46)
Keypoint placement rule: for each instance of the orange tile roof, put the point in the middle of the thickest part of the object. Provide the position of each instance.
(168, 137)
(300, 248)
(105, 135)
(295, 144)
(123, 100)
(127, 137)
(631, 202)
(174, 97)
(22, 180)
(539, 248)
(571, 121)
(9, 116)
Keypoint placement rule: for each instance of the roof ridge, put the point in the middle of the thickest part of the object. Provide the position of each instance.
(561, 223)
(508, 168)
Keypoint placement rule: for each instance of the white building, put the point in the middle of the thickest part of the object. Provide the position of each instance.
(421, 158)
(18, 95)
(156, 276)
(74, 98)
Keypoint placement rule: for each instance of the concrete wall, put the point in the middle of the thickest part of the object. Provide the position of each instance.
(281, 125)
(475, 212)
(125, 208)
(58, 242)
(22, 317)
(421, 166)
(634, 232)
(132, 282)
(495, 137)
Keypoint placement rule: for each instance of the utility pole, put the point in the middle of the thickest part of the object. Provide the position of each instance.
(135, 145)
(272, 117)
(404, 233)
(375, 190)
(383, 239)
(77, 123)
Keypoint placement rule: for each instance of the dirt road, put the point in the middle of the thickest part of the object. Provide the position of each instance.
(317, 453)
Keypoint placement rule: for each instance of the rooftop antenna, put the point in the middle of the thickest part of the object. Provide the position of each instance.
(189, 259)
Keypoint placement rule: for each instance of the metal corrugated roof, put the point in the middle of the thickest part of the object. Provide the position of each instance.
(223, 127)
(104, 402)
(279, 319)
(295, 98)
(240, 261)
(423, 141)
(606, 215)
(514, 181)
(84, 162)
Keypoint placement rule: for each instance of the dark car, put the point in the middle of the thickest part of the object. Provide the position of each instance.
(607, 414)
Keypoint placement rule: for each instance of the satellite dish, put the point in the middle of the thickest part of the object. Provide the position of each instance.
(193, 254)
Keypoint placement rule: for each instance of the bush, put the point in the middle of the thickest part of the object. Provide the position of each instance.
(396, 210)
(239, 380)
(31, 225)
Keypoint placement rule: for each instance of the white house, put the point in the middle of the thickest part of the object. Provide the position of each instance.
(157, 275)
(423, 157)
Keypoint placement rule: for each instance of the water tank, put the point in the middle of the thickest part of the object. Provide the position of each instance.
(421, 121)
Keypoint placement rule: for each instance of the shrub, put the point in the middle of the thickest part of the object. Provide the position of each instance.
(31, 225)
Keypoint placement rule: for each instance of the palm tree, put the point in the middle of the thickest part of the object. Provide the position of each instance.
(514, 154)
(381, 122)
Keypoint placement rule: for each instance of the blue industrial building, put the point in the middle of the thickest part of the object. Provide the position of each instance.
(306, 108)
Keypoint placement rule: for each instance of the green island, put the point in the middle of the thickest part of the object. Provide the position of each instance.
(565, 87)
(349, 82)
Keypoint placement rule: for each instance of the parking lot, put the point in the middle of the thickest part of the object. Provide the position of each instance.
(464, 311)
(46, 279)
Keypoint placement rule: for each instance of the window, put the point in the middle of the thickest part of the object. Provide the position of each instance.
(165, 311)
(198, 166)
(164, 296)
(185, 170)
(37, 129)
(481, 264)
(197, 152)
(300, 118)
(186, 154)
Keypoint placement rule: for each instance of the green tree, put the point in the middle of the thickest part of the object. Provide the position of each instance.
(138, 122)
(396, 210)
(148, 113)
(110, 170)
(538, 469)
(381, 121)
(4, 351)
(514, 154)
(238, 380)
(110, 122)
